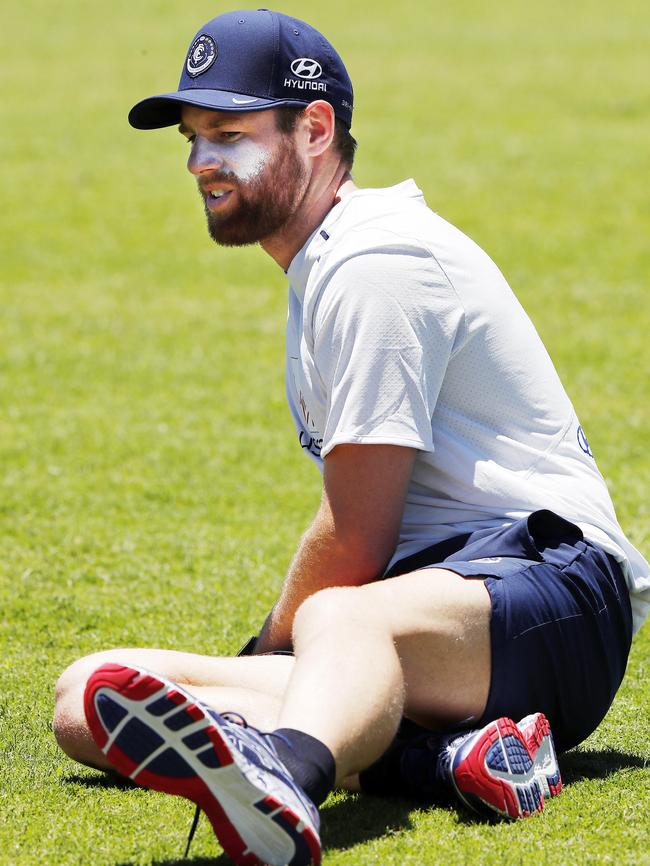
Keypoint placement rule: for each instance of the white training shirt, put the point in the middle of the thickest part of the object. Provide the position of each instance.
(402, 331)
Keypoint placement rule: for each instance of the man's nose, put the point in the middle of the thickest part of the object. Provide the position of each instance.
(204, 156)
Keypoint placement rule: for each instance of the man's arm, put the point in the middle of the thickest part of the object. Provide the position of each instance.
(353, 535)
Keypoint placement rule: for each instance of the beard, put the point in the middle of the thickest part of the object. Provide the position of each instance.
(264, 205)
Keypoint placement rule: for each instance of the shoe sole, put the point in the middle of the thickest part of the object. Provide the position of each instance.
(536, 731)
(159, 736)
(494, 773)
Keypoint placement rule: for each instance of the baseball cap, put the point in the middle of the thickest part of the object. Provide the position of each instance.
(250, 60)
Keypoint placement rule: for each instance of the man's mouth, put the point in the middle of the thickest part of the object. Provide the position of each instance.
(215, 199)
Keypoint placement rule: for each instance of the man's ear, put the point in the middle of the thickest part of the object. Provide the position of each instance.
(319, 125)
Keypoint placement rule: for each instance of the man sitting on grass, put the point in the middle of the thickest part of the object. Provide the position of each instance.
(464, 582)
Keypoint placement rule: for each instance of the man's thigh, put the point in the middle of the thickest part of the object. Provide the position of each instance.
(267, 674)
(250, 686)
(440, 622)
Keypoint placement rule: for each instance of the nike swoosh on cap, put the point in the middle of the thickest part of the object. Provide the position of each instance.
(243, 101)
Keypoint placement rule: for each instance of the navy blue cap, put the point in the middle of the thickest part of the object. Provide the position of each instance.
(248, 61)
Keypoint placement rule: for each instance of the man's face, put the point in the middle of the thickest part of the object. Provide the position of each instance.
(249, 174)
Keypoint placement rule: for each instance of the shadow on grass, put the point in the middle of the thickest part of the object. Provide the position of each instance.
(597, 764)
(100, 780)
(345, 824)
(355, 820)
(221, 860)
(359, 819)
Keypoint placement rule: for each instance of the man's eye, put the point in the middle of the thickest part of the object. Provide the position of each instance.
(230, 136)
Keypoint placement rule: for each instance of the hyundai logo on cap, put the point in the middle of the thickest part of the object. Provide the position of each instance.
(303, 67)
(248, 61)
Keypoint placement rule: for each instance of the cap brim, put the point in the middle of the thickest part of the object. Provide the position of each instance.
(165, 110)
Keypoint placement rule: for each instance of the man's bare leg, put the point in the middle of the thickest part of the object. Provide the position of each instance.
(251, 686)
(418, 644)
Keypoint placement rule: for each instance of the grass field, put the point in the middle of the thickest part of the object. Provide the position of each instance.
(152, 489)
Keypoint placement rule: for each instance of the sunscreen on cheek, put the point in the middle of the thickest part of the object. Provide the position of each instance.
(247, 160)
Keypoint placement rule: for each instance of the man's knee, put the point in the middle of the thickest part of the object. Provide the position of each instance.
(75, 675)
(331, 609)
(69, 722)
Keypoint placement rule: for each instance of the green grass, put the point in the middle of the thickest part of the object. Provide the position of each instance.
(150, 471)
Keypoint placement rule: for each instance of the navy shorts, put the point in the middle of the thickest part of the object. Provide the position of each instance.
(561, 622)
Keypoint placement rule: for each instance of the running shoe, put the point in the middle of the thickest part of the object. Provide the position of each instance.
(492, 771)
(161, 737)
(536, 732)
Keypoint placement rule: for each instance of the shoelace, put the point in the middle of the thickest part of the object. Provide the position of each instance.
(236, 719)
(195, 824)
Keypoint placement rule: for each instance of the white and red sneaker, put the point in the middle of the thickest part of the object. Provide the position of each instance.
(492, 771)
(161, 737)
(536, 732)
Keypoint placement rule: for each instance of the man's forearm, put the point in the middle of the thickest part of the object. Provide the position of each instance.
(354, 533)
(324, 558)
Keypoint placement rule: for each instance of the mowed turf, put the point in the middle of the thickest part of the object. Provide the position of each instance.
(152, 486)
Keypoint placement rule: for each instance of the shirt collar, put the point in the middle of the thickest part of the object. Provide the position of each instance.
(302, 263)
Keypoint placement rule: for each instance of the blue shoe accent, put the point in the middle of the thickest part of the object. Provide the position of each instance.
(209, 759)
(161, 706)
(516, 755)
(110, 712)
(496, 759)
(138, 741)
(492, 771)
(530, 798)
(195, 741)
(170, 763)
(179, 720)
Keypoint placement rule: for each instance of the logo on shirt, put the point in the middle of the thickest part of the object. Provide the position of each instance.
(304, 408)
(582, 442)
(309, 443)
(309, 439)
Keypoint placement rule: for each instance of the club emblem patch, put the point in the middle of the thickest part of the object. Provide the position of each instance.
(583, 443)
(201, 55)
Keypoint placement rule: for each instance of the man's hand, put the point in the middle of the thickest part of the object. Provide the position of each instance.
(353, 535)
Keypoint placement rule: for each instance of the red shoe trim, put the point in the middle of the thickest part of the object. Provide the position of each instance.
(472, 776)
(138, 686)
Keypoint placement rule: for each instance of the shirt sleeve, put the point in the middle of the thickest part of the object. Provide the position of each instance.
(384, 330)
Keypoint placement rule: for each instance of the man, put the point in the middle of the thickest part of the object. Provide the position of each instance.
(453, 466)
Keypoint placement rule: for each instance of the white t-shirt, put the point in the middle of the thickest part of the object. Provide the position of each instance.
(402, 331)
